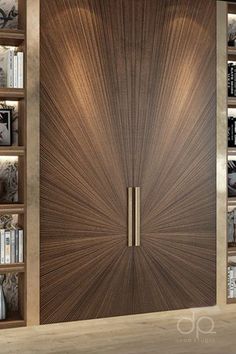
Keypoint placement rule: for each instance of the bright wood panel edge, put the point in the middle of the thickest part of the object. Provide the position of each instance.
(32, 302)
(221, 216)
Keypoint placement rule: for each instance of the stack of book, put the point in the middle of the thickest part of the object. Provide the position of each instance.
(231, 79)
(11, 246)
(11, 68)
(231, 281)
(231, 131)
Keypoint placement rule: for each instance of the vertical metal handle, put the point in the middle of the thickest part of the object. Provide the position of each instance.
(137, 215)
(130, 217)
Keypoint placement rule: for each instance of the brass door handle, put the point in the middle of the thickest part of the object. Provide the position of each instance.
(137, 216)
(134, 216)
(130, 217)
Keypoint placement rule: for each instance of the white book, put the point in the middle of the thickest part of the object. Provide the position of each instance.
(20, 69)
(6, 67)
(15, 71)
(7, 247)
(21, 246)
(2, 237)
(17, 246)
(229, 274)
(10, 68)
(13, 246)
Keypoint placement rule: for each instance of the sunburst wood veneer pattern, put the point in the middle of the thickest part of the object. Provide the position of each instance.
(127, 99)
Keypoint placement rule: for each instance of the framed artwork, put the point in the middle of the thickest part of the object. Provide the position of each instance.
(5, 127)
(9, 14)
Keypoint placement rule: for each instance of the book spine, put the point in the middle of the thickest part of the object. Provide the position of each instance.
(2, 235)
(13, 246)
(231, 81)
(228, 281)
(21, 246)
(15, 72)
(230, 132)
(10, 69)
(234, 80)
(234, 132)
(231, 288)
(17, 245)
(7, 247)
(20, 69)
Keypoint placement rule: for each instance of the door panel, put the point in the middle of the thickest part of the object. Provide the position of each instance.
(174, 149)
(127, 99)
(86, 160)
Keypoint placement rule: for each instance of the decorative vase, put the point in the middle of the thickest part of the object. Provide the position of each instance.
(2, 299)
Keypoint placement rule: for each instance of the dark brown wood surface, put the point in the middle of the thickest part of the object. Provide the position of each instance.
(127, 99)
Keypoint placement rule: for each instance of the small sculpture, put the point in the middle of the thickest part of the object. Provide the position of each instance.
(2, 299)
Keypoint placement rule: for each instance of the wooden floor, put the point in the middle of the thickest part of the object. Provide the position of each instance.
(149, 333)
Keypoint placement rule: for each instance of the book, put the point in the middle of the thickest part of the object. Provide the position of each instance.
(7, 247)
(21, 246)
(2, 237)
(20, 69)
(231, 178)
(231, 80)
(13, 246)
(17, 245)
(15, 71)
(7, 67)
(231, 131)
(230, 284)
(231, 228)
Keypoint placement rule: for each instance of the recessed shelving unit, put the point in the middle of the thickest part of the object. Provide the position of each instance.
(231, 152)
(26, 151)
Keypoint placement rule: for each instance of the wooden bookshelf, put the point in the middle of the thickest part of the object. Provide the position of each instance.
(232, 151)
(13, 94)
(231, 301)
(12, 37)
(12, 151)
(231, 251)
(232, 102)
(16, 208)
(27, 39)
(12, 268)
(232, 51)
(12, 321)
(232, 202)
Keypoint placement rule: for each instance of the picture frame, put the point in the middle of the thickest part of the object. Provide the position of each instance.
(9, 14)
(5, 127)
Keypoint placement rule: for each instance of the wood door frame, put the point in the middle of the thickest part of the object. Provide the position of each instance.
(221, 155)
(221, 138)
(32, 308)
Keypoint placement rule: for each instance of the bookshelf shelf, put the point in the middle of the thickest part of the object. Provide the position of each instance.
(12, 208)
(12, 37)
(232, 102)
(232, 51)
(11, 94)
(13, 320)
(232, 151)
(232, 251)
(12, 268)
(12, 151)
(232, 202)
(231, 301)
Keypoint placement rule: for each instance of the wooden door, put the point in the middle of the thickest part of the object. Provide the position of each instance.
(86, 161)
(175, 149)
(127, 99)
